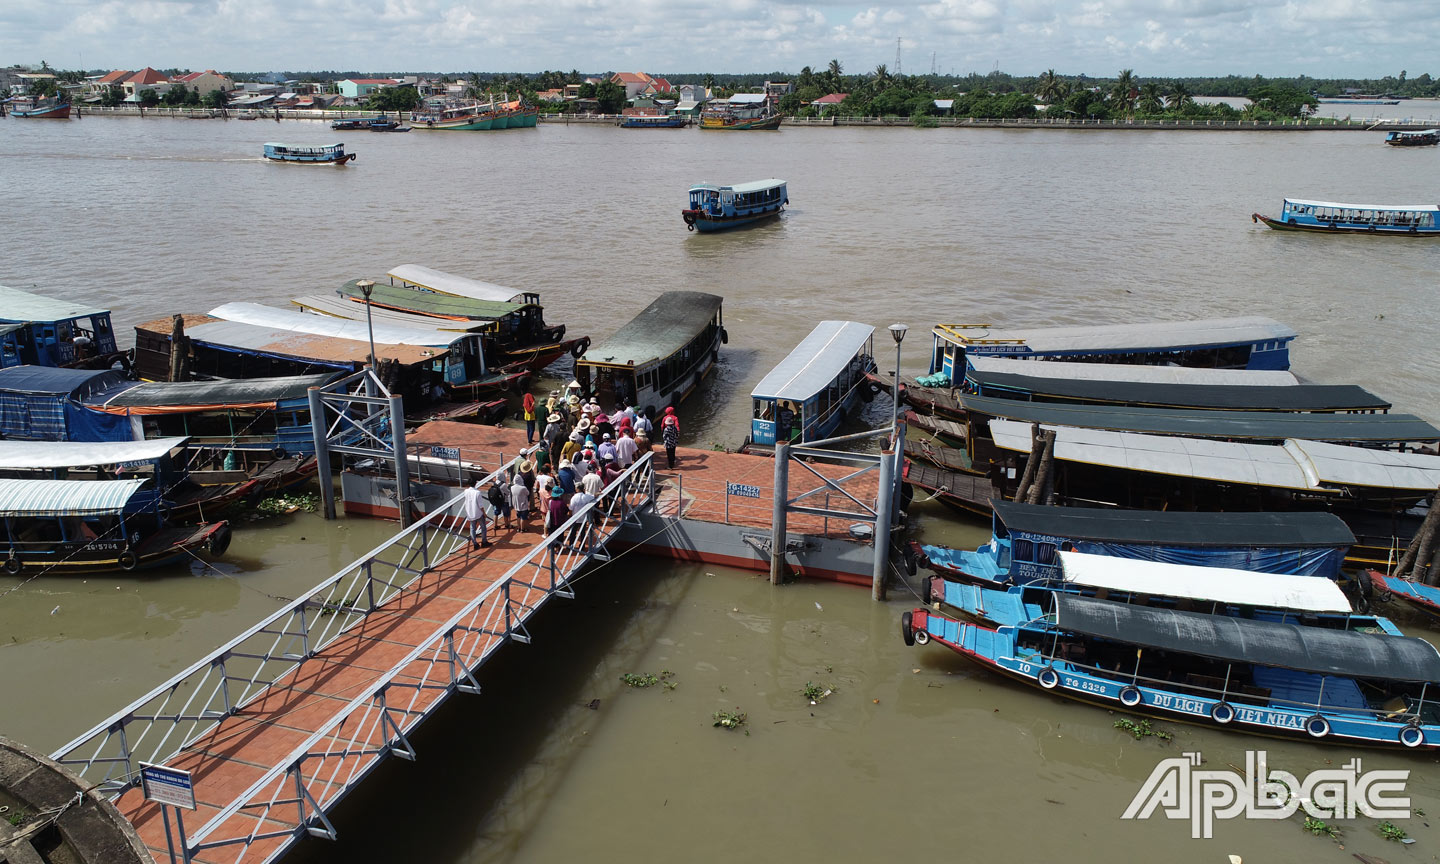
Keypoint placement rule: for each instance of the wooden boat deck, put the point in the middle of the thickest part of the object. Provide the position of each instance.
(940, 427)
(933, 400)
(970, 492)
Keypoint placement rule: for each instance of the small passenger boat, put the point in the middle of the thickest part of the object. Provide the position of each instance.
(807, 395)
(43, 331)
(1424, 597)
(52, 108)
(353, 123)
(330, 154)
(658, 358)
(654, 121)
(1329, 217)
(1421, 138)
(715, 207)
(78, 527)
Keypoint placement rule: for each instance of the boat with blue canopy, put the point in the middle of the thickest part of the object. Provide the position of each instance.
(43, 331)
(1223, 343)
(79, 527)
(1026, 540)
(42, 403)
(1263, 677)
(713, 207)
(329, 154)
(807, 395)
(1332, 217)
(654, 121)
(1417, 138)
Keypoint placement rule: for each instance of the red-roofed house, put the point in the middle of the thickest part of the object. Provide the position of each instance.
(145, 79)
(204, 82)
(640, 84)
(99, 85)
(359, 88)
(830, 102)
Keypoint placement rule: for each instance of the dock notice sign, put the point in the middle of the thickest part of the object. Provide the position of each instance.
(445, 452)
(742, 491)
(167, 786)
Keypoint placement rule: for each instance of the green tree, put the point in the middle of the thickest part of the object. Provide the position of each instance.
(1048, 89)
(215, 99)
(1120, 92)
(611, 96)
(175, 95)
(112, 96)
(393, 99)
(192, 97)
(1281, 100)
(1151, 100)
(1180, 98)
(149, 98)
(44, 88)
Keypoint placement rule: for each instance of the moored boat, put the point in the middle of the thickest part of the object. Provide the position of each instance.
(715, 207)
(1421, 138)
(654, 121)
(806, 396)
(53, 108)
(330, 154)
(658, 358)
(741, 112)
(43, 331)
(1330, 217)
(353, 123)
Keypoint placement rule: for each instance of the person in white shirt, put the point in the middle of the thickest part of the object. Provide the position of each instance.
(520, 500)
(474, 503)
(592, 483)
(625, 449)
(579, 500)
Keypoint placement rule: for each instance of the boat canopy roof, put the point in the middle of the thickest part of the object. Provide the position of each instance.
(1210, 584)
(1175, 528)
(1240, 640)
(1294, 397)
(54, 381)
(816, 361)
(740, 188)
(348, 310)
(302, 147)
(447, 283)
(1409, 208)
(7, 329)
(178, 397)
(22, 306)
(1052, 370)
(66, 497)
(662, 328)
(78, 454)
(746, 98)
(1414, 133)
(238, 337)
(326, 325)
(1304, 465)
(1152, 336)
(1201, 423)
(431, 303)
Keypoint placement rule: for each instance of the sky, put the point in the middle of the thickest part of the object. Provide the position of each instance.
(1320, 38)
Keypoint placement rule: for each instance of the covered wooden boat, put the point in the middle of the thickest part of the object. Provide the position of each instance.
(660, 357)
(820, 382)
(740, 113)
(713, 207)
(41, 403)
(1263, 677)
(654, 121)
(79, 527)
(43, 331)
(1424, 597)
(1331, 217)
(53, 108)
(329, 154)
(1420, 138)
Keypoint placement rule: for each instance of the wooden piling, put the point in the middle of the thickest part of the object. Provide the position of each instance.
(1419, 552)
(179, 350)
(1031, 464)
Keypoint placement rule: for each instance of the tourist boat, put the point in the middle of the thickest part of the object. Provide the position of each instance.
(1420, 138)
(53, 108)
(330, 154)
(715, 207)
(1262, 677)
(353, 123)
(1329, 217)
(1358, 100)
(515, 325)
(654, 121)
(807, 395)
(1224, 343)
(658, 358)
(47, 332)
(79, 527)
(1026, 539)
(380, 124)
(741, 112)
(1287, 598)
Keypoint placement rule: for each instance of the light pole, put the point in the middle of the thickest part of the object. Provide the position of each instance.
(897, 332)
(366, 286)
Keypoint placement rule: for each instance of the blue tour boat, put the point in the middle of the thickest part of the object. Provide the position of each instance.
(1329, 217)
(1027, 538)
(654, 121)
(808, 394)
(715, 207)
(330, 154)
(1420, 138)
(42, 331)
(1262, 677)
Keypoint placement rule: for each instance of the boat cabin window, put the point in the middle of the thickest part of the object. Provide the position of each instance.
(1039, 553)
(764, 409)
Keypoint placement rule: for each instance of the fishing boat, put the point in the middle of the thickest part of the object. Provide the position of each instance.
(353, 123)
(1291, 599)
(380, 124)
(79, 527)
(741, 112)
(330, 154)
(1420, 138)
(44, 331)
(807, 395)
(658, 358)
(1027, 539)
(654, 121)
(52, 108)
(1262, 677)
(472, 116)
(1329, 217)
(713, 208)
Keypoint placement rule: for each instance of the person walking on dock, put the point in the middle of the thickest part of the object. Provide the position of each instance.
(626, 448)
(555, 510)
(474, 503)
(500, 500)
(670, 434)
(520, 501)
(529, 406)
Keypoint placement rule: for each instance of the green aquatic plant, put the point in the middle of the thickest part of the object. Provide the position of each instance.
(1142, 729)
(730, 719)
(1320, 826)
(1390, 831)
(816, 693)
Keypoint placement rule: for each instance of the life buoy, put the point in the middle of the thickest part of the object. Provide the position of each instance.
(127, 560)
(1413, 229)
(1317, 726)
(12, 565)
(1412, 735)
(874, 388)
(1222, 713)
(1048, 678)
(907, 628)
(220, 540)
(1130, 696)
(1290, 221)
(578, 349)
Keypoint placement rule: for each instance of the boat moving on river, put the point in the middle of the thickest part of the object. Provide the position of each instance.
(1329, 217)
(330, 154)
(1422, 138)
(715, 207)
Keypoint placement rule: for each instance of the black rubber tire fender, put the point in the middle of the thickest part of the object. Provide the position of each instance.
(907, 628)
(127, 560)
(13, 565)
(579, 348)
(220, 540)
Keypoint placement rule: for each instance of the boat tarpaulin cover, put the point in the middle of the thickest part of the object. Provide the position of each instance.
(1211, 584)
(1052, 369)
(349, 310)
(1152, 336)
(326, 325)
(816, 361)
(662, 328)
(1293, 397)
(430, 302)
(1359, 466)
(78, 454)
(1344, 653)
(448, 283)
(38, 403)
(22, 306)
(239, 338)
(179, 397)
(66, 497)
(1200, 423)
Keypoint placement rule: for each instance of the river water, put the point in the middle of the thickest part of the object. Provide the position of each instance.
(915, 751)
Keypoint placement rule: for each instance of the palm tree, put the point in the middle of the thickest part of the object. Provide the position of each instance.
(882, 75)
(1049, 87)
(1180, 97)
(1151, 101)
(1122, 88)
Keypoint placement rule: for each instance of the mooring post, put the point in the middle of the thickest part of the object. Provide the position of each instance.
(402, 464)
(777, 514)
(884, 501)
(324, 475)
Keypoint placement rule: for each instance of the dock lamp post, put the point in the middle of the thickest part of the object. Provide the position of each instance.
(366, 286)
(897, 331)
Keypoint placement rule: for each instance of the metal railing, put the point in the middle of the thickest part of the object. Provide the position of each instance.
(290, 798)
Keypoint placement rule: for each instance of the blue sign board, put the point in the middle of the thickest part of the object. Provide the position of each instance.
(741, 491)
(167, 786)
(445, 452)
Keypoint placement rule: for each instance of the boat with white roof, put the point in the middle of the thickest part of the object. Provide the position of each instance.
(713, 207)
(807, 395)
(1332, 217)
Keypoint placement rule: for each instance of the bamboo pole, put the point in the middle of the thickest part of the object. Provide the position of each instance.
(1031, 464)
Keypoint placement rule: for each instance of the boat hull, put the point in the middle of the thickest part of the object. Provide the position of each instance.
(53, 112)
(1334, 228)
(299, 160)
(166, 546)
(674, 121)
(751, 125)
(465, 124)
(695, 221)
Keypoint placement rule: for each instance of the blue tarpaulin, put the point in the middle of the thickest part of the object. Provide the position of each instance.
(41, 404)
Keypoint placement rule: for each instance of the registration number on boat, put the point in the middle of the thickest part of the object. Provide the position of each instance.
(1083, 684)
